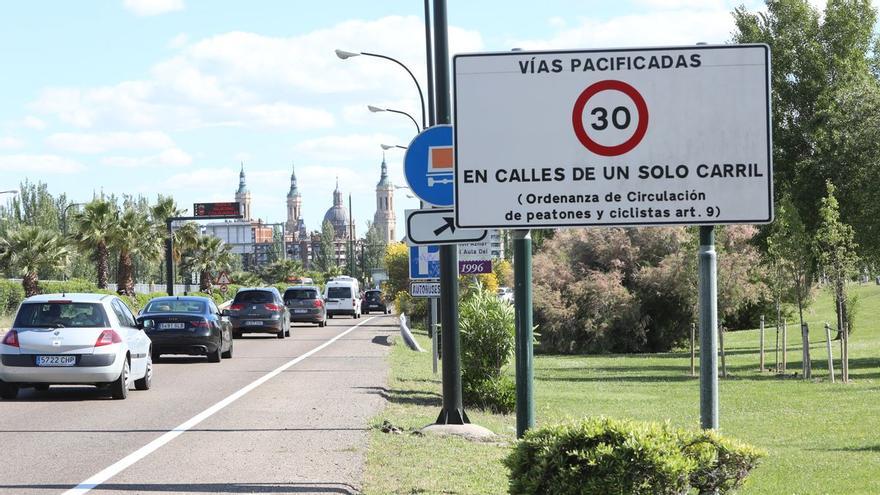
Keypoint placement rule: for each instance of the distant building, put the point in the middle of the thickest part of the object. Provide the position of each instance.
(384, 219)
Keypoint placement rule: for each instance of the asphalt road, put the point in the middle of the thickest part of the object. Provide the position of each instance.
(207, 427)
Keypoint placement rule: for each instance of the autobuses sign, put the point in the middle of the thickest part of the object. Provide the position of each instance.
(675, 135)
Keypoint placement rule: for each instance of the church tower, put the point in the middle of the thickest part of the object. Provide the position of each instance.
(384, 219)
(294, 205)
(243, 196)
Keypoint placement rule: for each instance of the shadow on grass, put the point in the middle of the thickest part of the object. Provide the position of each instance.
(412, 397)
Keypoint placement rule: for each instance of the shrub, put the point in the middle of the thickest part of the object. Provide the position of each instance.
(606, 456)
(415, 308)
(487, 343)
(72, 285)
(11, 295)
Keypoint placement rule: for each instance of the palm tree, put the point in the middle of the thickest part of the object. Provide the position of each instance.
(132, 238)
(281, 271)
(29, 250)
(209, 256)
(92, 231)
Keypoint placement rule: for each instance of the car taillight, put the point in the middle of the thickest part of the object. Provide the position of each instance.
(273, 307)
(200, 323)
(236, 307)
(11, 338)
(318, 303)
(108, 337)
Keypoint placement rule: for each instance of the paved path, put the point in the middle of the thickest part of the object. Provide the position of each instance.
(303, 430)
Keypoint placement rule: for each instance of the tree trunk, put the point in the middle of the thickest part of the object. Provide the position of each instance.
(205, 282)
(125, 275)
(102, 266)
(30, 284)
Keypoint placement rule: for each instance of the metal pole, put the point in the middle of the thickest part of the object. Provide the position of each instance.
(453, 410)
(430, 63)
(350, 253)
(708, 329)
(169, 259)
(435, 347)
(761, 358)
(830, 356)
(522, 300)
(418, 129)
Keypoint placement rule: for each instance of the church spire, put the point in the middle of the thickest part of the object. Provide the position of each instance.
(383, 177)
(242, 186)
(337, 196)
(293, 189)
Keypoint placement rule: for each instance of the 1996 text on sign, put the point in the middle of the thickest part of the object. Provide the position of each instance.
(676, 135)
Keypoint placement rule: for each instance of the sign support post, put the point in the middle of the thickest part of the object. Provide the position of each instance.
(708, 326)
(522, 301)
(169, 258)
(203, 211)
(453, 408)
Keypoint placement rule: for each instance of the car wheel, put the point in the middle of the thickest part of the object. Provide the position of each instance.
(119, 387)
(8, 391)
(214, 357)
(228, 353)
(236, 335)
(147, 381)
(42, 387)
(155, 356)
(330, 316)
(281, 334)
(287, 332)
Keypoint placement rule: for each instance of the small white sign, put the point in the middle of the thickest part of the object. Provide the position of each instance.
(437, 226)
(655, 136)
(424, 289)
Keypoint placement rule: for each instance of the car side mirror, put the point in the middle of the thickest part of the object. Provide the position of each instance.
(224, 312)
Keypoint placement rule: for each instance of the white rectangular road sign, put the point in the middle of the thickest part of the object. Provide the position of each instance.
(437, 226)
(424, 289)
(676, 135)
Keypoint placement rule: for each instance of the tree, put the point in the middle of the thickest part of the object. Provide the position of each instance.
(30, 250)
(790, 258)
(128, 237)
(835, 250)
(325, 258)
(397, 265)
(93, 231)
(281, 271)
(373, 249)
(209, 256)
(826, 106)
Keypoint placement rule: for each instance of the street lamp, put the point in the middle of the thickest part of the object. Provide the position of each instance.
(377, 109)
(11, 191)
(389, 146)
(344, 55)
(64, 215)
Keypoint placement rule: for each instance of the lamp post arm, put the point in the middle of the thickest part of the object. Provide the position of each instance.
(418, 129)
(418, 86)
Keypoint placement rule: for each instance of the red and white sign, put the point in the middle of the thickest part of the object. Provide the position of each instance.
(630, 137)
(223, 279)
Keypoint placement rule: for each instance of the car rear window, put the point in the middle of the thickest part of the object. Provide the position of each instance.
(254, 297)
(175, 306)
(300, 294)
(61, 315)
(373, 295)
(339, 292)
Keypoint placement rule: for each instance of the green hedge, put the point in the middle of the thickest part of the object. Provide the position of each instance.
(604, 456)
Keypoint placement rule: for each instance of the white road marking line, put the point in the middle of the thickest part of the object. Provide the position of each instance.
(151, 447)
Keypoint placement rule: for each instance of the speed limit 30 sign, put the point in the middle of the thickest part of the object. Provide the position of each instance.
(672, 135)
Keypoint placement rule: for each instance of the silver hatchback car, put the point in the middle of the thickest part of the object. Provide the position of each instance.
(82, 339)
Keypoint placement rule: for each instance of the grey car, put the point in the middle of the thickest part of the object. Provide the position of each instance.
(259, 310)
(305, 304)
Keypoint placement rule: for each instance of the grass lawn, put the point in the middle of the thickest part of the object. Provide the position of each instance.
(822, 438)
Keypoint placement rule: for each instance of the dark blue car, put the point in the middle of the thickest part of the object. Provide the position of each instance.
(187, 325)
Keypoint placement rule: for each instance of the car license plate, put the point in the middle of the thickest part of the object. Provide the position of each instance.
(253, 323)
(300, 311)
(172, 326)
(56, 360)
(374, 305)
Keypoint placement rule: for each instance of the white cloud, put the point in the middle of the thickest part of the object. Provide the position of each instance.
(354, 147)
(247, 79)
(170, 157)
(152, 7)
(32, 122)
(10, 143)
(49, 164)
(109, 141)
(178, 41)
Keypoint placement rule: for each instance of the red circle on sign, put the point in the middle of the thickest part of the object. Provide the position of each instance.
(578, 121)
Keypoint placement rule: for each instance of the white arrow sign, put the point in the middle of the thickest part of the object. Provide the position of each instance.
(437, 226)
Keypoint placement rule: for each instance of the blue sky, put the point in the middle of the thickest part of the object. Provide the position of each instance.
(169, 96)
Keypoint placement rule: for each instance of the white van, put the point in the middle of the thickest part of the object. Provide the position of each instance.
(342, 296)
